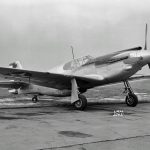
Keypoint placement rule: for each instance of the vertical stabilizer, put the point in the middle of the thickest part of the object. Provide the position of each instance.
(16, 65)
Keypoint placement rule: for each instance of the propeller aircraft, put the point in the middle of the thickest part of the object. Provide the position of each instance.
(77, 76)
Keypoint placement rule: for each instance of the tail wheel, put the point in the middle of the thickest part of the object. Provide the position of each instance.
(81, 104)
(131, 100)
(34, 99)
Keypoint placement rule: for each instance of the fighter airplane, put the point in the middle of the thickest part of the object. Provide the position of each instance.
(77, 76)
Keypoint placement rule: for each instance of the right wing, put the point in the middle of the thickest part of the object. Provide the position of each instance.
(47, 79)
(52, 80)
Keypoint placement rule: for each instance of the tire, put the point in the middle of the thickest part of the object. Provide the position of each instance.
(34, 99)
(131, 100)
(81, 104)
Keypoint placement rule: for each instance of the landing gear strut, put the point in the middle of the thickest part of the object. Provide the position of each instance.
(81, 104)
(34, 99)
(131, 99)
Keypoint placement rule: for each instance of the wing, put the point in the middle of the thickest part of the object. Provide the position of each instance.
(139, 77)
(53, 80)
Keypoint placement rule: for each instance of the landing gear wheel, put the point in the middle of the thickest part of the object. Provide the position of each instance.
(81, 104)
(34, 99)
(131, 100)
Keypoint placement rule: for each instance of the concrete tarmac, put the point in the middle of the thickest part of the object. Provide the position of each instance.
(56, 125)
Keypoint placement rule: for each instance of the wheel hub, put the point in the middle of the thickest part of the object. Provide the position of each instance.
(130, 100)
(78, 103)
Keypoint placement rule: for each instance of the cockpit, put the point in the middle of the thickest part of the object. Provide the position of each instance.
(77, 62)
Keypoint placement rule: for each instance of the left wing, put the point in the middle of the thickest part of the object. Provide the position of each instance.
(53, 80)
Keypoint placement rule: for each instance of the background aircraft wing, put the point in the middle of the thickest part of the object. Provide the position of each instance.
(11, 84)
(53, 80)
(139, 77)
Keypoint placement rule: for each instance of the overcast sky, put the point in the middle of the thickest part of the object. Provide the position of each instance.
(39, 32)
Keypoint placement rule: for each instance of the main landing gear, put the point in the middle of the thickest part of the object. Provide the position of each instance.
(80, 104)
(131, 99)
(34, 99)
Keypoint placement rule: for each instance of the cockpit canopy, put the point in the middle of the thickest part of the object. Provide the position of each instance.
(77, 62)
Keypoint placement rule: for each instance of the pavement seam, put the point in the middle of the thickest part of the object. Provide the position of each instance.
(101, 141)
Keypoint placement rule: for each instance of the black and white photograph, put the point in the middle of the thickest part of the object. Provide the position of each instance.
(74, 75)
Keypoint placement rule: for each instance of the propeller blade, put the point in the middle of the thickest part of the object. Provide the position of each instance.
(145, 47)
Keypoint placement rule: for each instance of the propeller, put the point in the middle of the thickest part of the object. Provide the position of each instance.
(145, 47)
